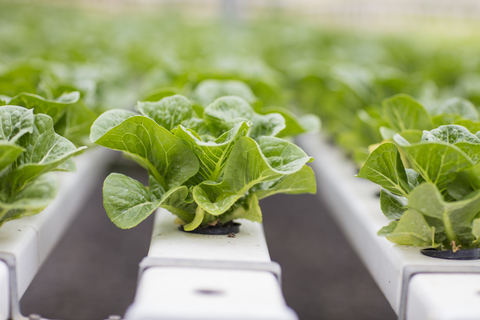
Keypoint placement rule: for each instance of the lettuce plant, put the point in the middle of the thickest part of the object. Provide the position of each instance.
(30, 150)
(430, 186)
(206, 166)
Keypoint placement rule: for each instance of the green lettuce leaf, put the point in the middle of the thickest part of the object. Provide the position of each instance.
(226, 112)
(384, 167)
(411, 230)
(53, 108)
(456, 217)
(250, 163)
(209, 90)
(437, 162)
(402, 113)
(165, 156)
(169, 112)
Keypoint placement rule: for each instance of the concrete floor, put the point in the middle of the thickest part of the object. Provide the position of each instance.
(92, 273)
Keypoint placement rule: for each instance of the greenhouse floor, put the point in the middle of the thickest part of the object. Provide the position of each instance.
(92, 273)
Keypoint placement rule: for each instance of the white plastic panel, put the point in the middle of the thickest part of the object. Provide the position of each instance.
(181, 293)
(206, 294)
(356, 208)
(31, 239)
(4, 291)
(444, 297)
(168, 242)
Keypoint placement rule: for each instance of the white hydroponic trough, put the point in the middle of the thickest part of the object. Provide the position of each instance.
(206, 277)
(25, 243)
(416, 286)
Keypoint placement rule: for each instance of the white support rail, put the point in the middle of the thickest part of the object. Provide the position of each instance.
(204, 277)
(31, 239)
(356, 207)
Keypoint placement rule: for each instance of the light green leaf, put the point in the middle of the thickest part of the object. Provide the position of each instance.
(393, 206)
(15, 122)
(437, 162)
(128, 202)
(250, 163)
(402, 113)
(53, 108)
(472, 126)
(410, 230)
(458, 106)
(302, 181)
(213, 155)
(226, 112)
(412, 136)
(457, 135)
(154, 147)
(293, 124)
(169, 112)
(456, 216)
(107, 121)
(249, 210)
(199, 214)
(160, 94)
(209, 90)
(385, 168)
(36, 195)
(44, 151)
(451, 134)
(9, 152)
(387, 133)
(31, 200)
(476, 232)
(76, 123)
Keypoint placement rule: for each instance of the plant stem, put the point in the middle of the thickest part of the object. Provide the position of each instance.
(451, 235)
(3, 212)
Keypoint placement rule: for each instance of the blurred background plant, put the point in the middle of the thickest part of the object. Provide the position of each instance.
(336, 59)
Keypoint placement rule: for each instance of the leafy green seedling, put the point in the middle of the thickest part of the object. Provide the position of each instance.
(431, 192)
(30, 150)
(205, 168)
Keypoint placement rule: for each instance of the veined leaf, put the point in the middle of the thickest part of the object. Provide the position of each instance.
(293, 124)
(250, 163)
(169, 112)
(226, 112)
(456, 216)
(128, 202)
(31, 200)
(154, 147)
(213, 155)
(402, 113)
(385, 168)
(44, 151)
(53, 108)
(209, 90)
(393, 206)
(15, 122)
(302, 181)
(76, 123)
(457, 135)
(451, 134)
(458, 106)
(410, 230)
(249, 209)
(9, 152)
(437, 162)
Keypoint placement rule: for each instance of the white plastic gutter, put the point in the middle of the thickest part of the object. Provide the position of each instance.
(402, 273)
(28, 241)
(204, 277)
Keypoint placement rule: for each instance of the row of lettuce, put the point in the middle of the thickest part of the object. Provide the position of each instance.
(208, 161)
(423, 152)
